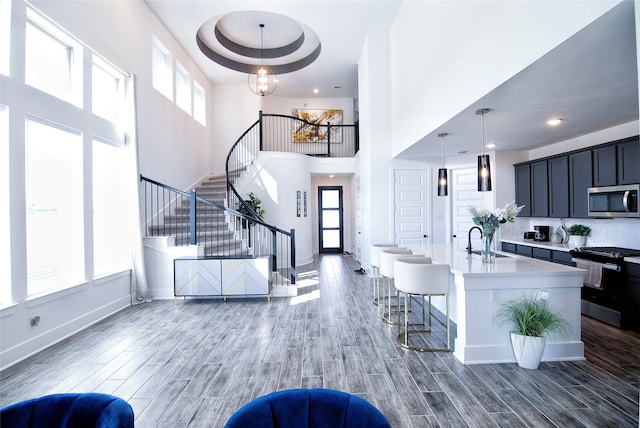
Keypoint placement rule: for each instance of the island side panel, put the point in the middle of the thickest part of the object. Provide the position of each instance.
(482, 340)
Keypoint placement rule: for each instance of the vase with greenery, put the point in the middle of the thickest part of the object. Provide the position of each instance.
(531, 321)
(490, 222)
(578, 234)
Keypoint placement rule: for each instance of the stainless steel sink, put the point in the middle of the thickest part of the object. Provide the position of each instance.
(497, 255)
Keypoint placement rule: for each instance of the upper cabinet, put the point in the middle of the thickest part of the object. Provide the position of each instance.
(580, 179)
(557, 186)
(604, 166)
(628, 161)
(539, 189)
(523, 188)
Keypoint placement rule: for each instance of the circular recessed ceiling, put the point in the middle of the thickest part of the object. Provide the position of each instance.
(237, 41)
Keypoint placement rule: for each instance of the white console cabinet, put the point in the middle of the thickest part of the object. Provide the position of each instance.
(222, 276)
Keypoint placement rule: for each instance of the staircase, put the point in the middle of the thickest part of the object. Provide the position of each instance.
(215, 232)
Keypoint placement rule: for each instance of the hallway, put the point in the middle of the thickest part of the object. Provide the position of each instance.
(193, 363)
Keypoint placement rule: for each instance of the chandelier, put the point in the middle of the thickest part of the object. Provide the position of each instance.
(261, 82)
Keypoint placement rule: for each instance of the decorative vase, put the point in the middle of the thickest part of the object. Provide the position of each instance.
(527, 350)
(487, 252)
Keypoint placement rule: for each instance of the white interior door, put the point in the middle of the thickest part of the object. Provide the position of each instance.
(411, 207)
(358, 221)
(464, 193)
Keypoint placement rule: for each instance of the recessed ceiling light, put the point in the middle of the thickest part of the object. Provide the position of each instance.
(331, 176)
(490, 145)
(554, 122)
(315, 91)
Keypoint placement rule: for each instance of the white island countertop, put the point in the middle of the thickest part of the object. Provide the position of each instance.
(478, 290)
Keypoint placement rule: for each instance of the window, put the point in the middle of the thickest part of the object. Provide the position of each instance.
(183, 88)
(107, 90)
(162, 69)
(53, 60)
(5, 226)
(5, 36)
(199, 103)
(111, 245)
(55, 207)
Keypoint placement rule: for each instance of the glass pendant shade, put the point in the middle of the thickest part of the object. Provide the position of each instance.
(261, 82)
(484, 173)
(442, 182)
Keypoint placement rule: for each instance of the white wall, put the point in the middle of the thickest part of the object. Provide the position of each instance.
(280, 105)
(445, 56)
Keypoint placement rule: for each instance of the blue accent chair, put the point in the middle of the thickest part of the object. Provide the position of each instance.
(298, 408)
(87, 410)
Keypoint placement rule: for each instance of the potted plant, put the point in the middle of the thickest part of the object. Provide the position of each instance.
(254, 203)
(531, 320)
(578, 234)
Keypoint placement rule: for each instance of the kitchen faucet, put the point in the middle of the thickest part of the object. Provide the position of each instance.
(469, 238)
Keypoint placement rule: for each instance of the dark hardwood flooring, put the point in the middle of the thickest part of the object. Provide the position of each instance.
(193, 363)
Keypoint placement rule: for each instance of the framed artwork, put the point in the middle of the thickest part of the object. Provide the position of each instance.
(298, 203)
(305, 203)
(316, 130)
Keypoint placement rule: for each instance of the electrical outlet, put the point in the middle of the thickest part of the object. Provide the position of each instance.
(495, 295)
(35, 321)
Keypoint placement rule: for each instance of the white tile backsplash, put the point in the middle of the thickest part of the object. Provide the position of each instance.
(618, 232)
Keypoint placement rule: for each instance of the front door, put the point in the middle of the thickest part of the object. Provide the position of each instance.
(330, 219)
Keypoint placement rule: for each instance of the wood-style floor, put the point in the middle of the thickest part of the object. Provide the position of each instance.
(193, 363)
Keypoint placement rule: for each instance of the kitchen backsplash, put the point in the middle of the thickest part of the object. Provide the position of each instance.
(624, 233)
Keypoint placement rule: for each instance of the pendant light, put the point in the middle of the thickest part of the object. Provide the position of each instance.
(261, 82)
(484, 168)
(442, 172)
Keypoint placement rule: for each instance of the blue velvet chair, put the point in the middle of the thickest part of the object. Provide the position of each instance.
(298, 408)
(87, 410)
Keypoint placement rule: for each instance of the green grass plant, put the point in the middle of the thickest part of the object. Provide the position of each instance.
(530, 317)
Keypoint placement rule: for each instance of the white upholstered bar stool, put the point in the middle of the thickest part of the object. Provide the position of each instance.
(387, 256)
(414, 277)
(375, 268)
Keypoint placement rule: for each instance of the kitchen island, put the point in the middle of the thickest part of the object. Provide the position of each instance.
(478, 289)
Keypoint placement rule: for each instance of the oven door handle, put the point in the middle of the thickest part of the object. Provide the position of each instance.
(611, 266)
(608, 266)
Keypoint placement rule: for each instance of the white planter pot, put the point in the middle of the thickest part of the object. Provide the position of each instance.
(527, 350)
(576, 241)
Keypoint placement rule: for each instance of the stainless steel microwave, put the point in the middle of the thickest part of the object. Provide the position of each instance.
(614, 201)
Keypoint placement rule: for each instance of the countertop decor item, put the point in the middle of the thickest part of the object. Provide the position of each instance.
(490, 222)
(531, 319)
(578, 234)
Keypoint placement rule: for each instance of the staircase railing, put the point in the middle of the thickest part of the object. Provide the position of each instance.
(224, 232)
(277, 132)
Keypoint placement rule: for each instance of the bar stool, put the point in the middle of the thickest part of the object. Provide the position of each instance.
(375, 268)
(415, 277)
(387, 256)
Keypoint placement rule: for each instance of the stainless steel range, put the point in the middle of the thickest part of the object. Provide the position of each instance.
(606, 294)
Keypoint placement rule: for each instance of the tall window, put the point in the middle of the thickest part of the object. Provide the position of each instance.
(55, 207)
(53, 60)
(5, 36)
(5, 227)
(162, 69)
(199, 103)
(107, 90)
(183, 88)
(111, 232)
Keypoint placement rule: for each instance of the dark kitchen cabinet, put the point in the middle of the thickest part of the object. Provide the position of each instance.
(631, 316)
(539, 189)
(508, 247)
(604, 166)
(559, 187)
(629, 161)
(523, 188)
(580, 179)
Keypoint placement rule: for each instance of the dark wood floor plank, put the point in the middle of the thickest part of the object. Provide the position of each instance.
(445, 411)
(470, 409)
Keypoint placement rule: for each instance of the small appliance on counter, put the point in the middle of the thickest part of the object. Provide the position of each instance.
(530, 235)
(542, 233)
